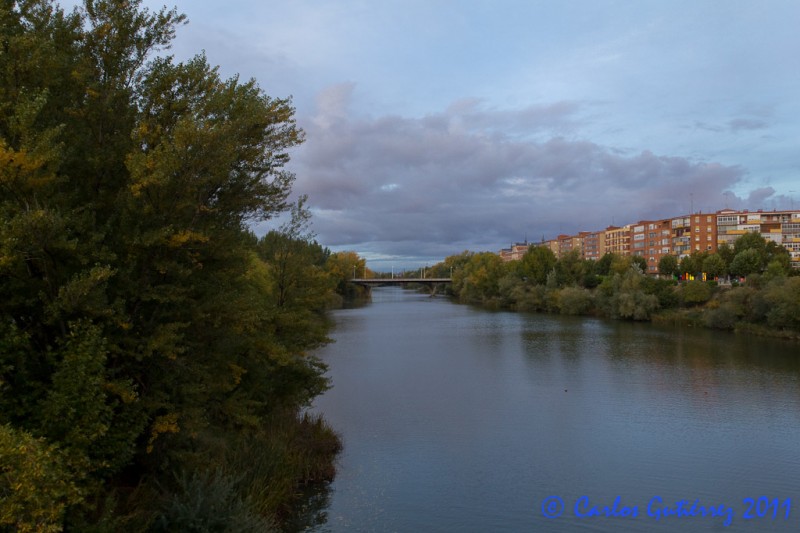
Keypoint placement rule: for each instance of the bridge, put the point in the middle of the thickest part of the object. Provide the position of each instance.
(431, 283)
(372, 282)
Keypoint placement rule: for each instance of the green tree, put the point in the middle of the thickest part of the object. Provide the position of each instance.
(623, 296)
(783, 297)
(726, 253)
(141, 323)
(640, 262)
(536, 264)
(689, 265)
(696, 292)
(35, 484)
(714, 266)
(344, 266)
(569, 269)
(750, 241)
(746, 262)
(478, 280)
(603, 267)
(668, 265)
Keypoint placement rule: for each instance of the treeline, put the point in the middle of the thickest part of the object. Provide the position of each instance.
(154, 358)
(767, 301)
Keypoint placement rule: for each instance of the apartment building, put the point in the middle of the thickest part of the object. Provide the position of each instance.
(565, 245)
(618, 240)
(594, 245)
(651, 240)
(781, 227)
(514, 253)
(682, 236)
(694, 233)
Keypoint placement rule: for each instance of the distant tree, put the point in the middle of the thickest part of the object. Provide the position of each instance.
(536, 264)
(344, 266)
(696, 292)
(603, 267)
(714, 266)
(640, 262)
(689, 265)
(750, 241)
(746, 262)
(668, 265)
(623, 296)
(569, 269)
(478, 280)
(726, 253)
(775, 253)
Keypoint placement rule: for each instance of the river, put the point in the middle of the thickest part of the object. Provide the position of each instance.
(456, 418)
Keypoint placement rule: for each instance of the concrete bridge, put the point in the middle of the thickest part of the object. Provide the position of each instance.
(376, 282)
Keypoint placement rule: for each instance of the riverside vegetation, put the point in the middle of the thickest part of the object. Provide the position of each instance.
(766, 303)
(154, 363)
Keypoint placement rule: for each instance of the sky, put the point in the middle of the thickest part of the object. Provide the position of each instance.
(438, 126)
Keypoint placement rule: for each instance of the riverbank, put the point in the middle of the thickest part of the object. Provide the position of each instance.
(763, 306)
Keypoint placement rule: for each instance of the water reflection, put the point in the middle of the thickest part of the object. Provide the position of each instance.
(455, 418)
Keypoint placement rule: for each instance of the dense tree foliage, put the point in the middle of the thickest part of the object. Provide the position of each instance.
(145, 333)
(615, 286)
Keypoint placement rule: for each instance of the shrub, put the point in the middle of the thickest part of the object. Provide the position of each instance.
(723, 317)
(696, 292)
(35, 486)
(574, 301)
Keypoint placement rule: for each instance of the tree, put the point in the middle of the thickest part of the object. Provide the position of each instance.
(570, 269)
(750, 241)
(696, 292)
(603, 266)
(478, 280)
(746, 262)
(623, 296)
(690, 265)
(714, 266)
(142, 326)
(668, 265)
(344, 266)
(640, 262)
(536, 264)
(726, 253)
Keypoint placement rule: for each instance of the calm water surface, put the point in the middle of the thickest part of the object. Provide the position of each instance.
(461, 419)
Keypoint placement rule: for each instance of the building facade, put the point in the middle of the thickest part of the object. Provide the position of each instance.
(679, 236)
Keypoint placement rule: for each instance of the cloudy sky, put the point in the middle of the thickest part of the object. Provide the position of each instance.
(436, 126)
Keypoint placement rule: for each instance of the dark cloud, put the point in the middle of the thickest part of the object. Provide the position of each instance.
(758, 197)
(433, 186)
(747, 124)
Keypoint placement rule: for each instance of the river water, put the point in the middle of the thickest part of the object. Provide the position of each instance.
(461, 419)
